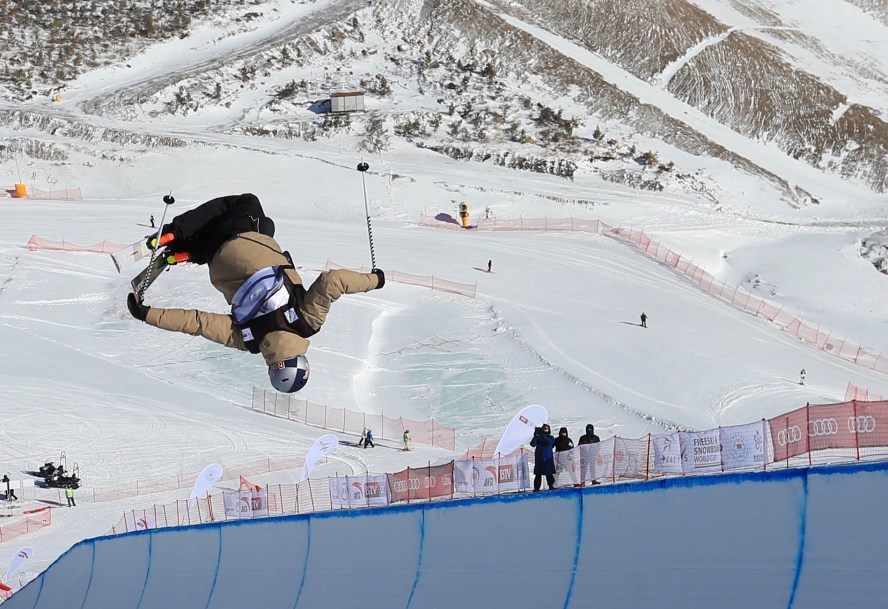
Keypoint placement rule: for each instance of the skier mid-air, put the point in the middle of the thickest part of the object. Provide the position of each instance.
(271, 312)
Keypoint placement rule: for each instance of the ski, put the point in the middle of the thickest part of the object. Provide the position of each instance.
(143, 280)
(131, 254)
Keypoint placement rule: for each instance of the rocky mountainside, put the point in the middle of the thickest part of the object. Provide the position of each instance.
(478, 80)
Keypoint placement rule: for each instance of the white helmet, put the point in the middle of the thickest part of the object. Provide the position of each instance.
(290, 375)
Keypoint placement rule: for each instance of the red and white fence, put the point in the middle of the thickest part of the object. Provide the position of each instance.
(37, 519)
(103, 247)
(732, 295)
(427, 281)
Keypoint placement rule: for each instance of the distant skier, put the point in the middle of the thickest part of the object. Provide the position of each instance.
(10, 494)
(802, 375)
(406, 439)
(69, 495)
(271, 311)
(363, 437)
(489, 265)
(151, 219)
(368, 441)
(644, 320)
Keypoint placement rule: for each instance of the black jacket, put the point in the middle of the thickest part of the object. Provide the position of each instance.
(563, 441)
(588, 438)
(202, 230)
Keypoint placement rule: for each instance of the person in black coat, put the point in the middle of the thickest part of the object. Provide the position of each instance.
(563, 441)
(586, 462)
(543, 458)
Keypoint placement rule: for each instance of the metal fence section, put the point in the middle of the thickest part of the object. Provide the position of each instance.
(287, 406)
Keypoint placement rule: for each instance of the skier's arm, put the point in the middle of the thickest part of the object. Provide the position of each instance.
(216, 327)
(186, 225)
(328, 287)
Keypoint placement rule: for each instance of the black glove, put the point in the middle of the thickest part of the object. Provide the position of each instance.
(380, 275)
(136, 308)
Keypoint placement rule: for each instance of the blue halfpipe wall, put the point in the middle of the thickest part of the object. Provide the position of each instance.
(802, 538)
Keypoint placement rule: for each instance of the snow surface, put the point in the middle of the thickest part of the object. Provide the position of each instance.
(556, 323)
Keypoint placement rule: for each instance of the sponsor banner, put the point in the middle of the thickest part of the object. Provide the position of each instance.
(789, 436)
(245, 504)
(701, 451)
(630, 457)
(520, 430)
(359, 491)
(596, 460)
(206, 480)
(491, 476)
(668, 453)
(319, 450)
(848, 425)
(567, 468)
(421, 483)
(20, 558)
(868, 421)
(743, 445)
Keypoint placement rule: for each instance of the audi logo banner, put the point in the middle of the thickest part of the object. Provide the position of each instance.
(421, 483)
(850, 425)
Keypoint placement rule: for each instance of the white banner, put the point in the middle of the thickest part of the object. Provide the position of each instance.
(596, 461)
(667, 453)
(630, 457)
(701, 451)
(520, 430)
(245, 504)
(567, 468)
(359, 491)
(323, 445)
(490, 476)
(206, 480)
(20, 558)
(743, 445)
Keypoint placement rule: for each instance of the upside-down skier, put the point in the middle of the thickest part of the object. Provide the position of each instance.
(272, 313)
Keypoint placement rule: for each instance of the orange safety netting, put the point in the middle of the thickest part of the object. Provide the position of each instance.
(428, 281)
(103, 247)
(732, 295)
(36, 520)
(286, 406)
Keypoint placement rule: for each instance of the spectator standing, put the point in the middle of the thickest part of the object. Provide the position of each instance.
(587, 461)
(406, 439)
(368, 441)
(644, 320)
(563, 441)
(543, 458)
(151, 219)
(69, 495)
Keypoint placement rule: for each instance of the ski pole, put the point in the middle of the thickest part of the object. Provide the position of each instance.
(363, 167)
(168, 200)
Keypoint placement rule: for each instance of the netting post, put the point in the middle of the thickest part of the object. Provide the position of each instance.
(647, 461)
(765, 450)
(808, 435)
(856, 429)
(614, 462)
(311, 495)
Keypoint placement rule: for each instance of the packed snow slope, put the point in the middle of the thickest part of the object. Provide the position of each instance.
(806, 539)
(555, 323)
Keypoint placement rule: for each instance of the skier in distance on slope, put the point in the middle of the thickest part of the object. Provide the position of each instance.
(272, 313)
